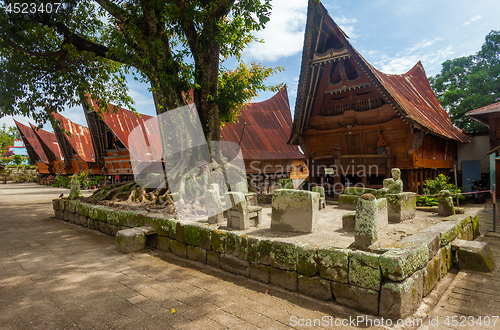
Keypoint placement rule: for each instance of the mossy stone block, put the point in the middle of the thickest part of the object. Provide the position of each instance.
(213, 259)
(178, 248)
(83, 209)
(253, 249)
(348, 202)
(179, 232)
(364, 300)
(259, 272)
(284, 255)
(73, 204)
(364, 270)
(99, 213)
(237, 245)
(163, 243)
(234, 265)
(315, 287)
(431, 274)
(283, 278)
(205, 237)
(218, 242)
(401, 299)
(265, 247)
(197, 254)
(191, 234)
(399, 263)
(56, 204)
(334, 264)
(160, 222)
(307, 260)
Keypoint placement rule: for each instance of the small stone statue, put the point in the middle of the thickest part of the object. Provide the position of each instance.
(393, 185)
(445, 206)
(74, 192)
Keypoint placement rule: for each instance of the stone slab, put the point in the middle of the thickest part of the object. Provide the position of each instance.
(401, 299)
(361, 299)
(315, 287)
(294, 210)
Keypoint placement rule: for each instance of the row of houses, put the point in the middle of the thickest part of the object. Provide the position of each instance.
(104, 147)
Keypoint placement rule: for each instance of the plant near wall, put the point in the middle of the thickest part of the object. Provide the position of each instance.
(433, 187)
(17, 159)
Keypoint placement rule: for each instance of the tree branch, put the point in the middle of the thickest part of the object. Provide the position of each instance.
(29, 52)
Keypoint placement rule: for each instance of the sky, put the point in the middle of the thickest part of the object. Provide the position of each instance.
(392, 35)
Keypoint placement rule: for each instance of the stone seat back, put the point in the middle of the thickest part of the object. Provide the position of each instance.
(295, 210)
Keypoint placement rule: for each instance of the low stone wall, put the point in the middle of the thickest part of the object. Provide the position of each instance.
(21, 173)
(391, 282)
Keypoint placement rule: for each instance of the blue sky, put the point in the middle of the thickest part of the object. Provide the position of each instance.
(392, 35)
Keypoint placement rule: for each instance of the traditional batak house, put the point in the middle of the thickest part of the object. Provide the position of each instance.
(34, 148)
(262, 132)
(50, 146)
(76, 147)
(110, 136)
(354, 122)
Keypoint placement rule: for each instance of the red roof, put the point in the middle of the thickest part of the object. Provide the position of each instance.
(481, 114)
(268, 126)
(413, 92)
(79, 140)
(50, 141)
(145, 146)
(32, 141)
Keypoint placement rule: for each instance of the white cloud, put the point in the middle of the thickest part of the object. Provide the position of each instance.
(284, 33)
(473, 19)
(423, 51)
(346, 24)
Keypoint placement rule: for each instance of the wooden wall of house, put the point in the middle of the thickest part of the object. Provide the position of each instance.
(362, 140)
(494, 121)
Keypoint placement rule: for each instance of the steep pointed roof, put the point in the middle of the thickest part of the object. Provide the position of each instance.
(49, 144)
(268, 126)
(410, 94)
(79, 142)
(33, 146)
(122, 122)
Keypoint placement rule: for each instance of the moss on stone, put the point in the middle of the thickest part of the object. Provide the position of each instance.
(364, 270)
(398, 264)
(253, 249)
(191, 234)
(83, 209)
(307, 260)
(218, 243)
(334, 264)
(284, 255)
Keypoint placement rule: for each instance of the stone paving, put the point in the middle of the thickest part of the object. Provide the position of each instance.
(471, 296)
(57, 275)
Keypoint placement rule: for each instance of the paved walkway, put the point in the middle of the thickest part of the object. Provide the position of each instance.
(56, 275)
(472, 296)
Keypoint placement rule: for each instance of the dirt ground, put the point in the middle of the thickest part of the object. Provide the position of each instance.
(331, 233)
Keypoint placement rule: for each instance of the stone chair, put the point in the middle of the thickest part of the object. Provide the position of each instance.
(241, 215)
(322, 200)
(295, 210)
(214, 207)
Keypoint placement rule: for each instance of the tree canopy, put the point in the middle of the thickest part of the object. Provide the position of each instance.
(49, 59)
(470, 82)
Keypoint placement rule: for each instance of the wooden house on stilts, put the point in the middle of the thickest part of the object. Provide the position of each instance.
(355, 123)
